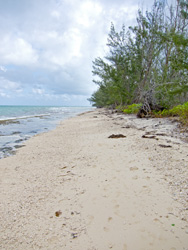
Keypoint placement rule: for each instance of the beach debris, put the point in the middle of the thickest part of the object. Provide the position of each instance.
(127, 126)
(149, 136)
(165, 146)
(58, 213)
(64, 167)
(117, 136)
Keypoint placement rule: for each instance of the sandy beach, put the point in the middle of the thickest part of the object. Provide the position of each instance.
(76, 188)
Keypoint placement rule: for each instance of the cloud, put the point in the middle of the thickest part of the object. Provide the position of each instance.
(47, 46)
(2, 68)
(16, 51)
(88, 13)
(38, 91)
(8, 88)
(56, 14)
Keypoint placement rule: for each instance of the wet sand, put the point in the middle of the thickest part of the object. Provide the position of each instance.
(76, 188)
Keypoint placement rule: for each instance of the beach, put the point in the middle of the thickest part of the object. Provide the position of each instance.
(19, 123)
(99, 181)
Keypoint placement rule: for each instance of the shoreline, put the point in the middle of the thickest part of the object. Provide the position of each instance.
(76, 188)
(15, 130)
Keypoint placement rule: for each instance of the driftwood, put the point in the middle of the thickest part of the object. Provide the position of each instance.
(149, 136)
(148, 106)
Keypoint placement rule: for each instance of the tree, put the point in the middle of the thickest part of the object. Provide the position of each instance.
(146, 62)
(174, 63)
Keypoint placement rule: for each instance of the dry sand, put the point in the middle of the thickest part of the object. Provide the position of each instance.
(75, 188)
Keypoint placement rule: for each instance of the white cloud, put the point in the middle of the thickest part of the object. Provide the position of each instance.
(87, 13)
(63, 48)
(10, 85)
(2, 94)
(9, 88)
(47, 46)
(15, 50)
(55, 14)
(2, 68)
(38, 91)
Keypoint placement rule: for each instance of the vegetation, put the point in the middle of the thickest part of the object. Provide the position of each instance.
(179, 110)
(130, 109)
(147, 63)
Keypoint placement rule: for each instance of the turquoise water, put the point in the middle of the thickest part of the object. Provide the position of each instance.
(19, 123)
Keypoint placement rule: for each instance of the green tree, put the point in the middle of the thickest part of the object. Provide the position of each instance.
(174, 64)
(148, 60)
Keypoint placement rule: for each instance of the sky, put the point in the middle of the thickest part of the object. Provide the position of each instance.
(47, 47)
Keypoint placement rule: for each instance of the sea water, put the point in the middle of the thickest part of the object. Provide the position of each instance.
(19, 123)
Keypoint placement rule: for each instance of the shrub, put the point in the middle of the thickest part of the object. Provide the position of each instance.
(180, 110)
(132, 109)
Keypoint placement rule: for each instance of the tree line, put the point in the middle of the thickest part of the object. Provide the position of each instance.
(146, 62)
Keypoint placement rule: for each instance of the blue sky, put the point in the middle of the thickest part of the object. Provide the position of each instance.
(47, 47)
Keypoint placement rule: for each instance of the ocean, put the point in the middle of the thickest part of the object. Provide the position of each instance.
(19, 123)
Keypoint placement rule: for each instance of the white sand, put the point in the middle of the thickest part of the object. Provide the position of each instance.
(127, 193)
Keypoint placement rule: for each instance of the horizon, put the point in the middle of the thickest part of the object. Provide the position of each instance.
(26, 105)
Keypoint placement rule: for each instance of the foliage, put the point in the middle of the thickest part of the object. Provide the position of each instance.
(179, 110)
(132, 109)
(150, 58)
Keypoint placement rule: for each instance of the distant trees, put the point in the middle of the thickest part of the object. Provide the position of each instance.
(148, 59)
